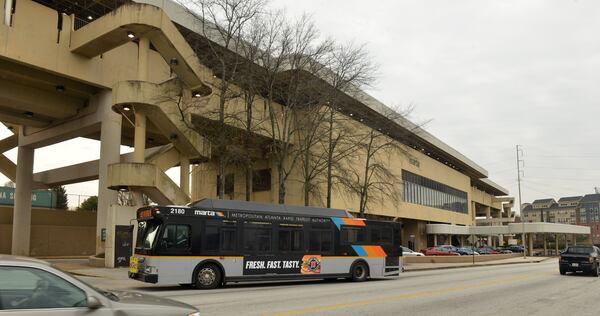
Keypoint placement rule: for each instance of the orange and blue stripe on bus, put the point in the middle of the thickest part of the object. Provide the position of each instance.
(339, 221)
(369, 251)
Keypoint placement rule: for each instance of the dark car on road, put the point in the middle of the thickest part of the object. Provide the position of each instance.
(580, 259)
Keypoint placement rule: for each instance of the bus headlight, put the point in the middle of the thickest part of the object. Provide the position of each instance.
(150, 270)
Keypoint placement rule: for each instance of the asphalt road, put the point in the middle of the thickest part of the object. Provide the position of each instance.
(520, 289)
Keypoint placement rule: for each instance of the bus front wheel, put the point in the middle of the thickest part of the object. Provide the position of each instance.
(208, 277)
(359, 272)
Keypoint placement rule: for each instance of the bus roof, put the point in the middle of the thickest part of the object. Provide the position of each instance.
(231, 205)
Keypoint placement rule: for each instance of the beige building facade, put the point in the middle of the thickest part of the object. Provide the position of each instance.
(103, 75)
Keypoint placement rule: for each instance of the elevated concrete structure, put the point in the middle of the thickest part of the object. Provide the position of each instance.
(119, 78)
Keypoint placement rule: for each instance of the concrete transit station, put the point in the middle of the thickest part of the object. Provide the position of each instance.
(101, 72)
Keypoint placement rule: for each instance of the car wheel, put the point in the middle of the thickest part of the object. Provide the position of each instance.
(207, 277)
(562, 271)
(359, 272)
(595, 270)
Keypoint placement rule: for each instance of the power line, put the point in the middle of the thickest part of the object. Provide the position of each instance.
(567, 179)
(538, 191)
(553, 186)
(563, 168)
(562, 156)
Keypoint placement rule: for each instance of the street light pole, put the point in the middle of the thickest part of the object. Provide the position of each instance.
(521, 202)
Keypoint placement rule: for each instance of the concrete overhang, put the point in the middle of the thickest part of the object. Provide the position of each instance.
(490, 187)
(512, 228)
(554, 228)
(143, 20)
(445, 229)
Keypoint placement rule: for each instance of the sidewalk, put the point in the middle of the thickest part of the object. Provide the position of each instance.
(81, 267)
(436, 266)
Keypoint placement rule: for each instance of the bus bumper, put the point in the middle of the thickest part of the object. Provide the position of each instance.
(148, 278)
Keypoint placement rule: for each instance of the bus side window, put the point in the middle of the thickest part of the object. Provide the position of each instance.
(176, 237)
(381, 235)
(257, 239)
(227, 240)
(320, 241)
(353, 235)
(291, 240)
(212, 238)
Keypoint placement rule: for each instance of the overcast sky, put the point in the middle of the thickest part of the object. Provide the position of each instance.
(488, 74)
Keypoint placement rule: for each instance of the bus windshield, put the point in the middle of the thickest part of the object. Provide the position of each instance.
(147, 231)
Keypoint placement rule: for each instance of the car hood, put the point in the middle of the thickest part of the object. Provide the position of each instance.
(149, 300)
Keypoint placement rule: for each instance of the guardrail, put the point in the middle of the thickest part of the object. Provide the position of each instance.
(459, 259)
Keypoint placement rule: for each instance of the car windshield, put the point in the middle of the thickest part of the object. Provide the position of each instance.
(580, 250)
(147, 231)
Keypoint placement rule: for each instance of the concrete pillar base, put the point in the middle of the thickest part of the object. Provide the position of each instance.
(117, 215)
(110, 147)
(21, 233)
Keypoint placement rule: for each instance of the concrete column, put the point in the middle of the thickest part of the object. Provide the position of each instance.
(435, 242)
(545, 245)
(556, 244)
(143, 49)
(110, 147)
(530, 246)
(574, 239)
(8, 12)
(184, 175)
(139, 141)
(21, 229)
(488, 216)
(462, 240)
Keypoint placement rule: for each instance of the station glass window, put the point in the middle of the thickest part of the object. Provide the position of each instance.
(424, 191)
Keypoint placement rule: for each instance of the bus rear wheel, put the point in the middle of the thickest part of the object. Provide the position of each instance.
(359, 272)
(208, 277)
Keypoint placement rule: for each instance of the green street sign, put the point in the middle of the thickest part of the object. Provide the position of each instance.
(39, 198)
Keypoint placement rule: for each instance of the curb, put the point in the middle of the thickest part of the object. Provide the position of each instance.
(475, 265)
(84, 274)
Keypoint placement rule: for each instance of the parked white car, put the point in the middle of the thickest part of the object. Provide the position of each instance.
(410, 253)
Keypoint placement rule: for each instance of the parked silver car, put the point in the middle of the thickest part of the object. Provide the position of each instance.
(410, 253)
(32, 287)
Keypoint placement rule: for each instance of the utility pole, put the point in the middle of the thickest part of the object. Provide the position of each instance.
(519, 161)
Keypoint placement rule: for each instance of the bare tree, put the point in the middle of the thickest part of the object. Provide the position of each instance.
(251, 86)
(312, 156)
(370, 176)
(328, 138)
(351, 69)
(301, 53)
(222, 24)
